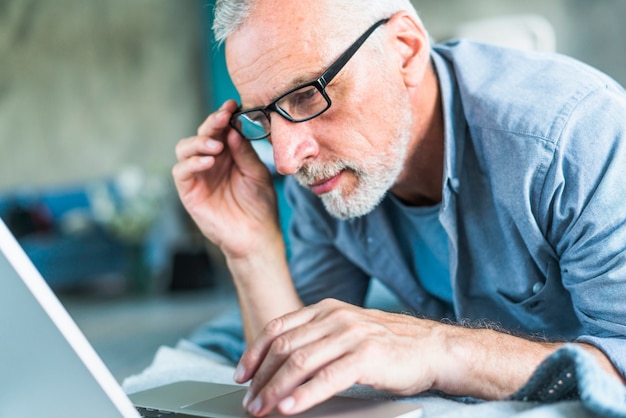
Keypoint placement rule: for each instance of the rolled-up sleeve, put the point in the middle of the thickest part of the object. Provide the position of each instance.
(584, 213)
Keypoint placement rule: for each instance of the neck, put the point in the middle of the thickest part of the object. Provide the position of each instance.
(420, 183)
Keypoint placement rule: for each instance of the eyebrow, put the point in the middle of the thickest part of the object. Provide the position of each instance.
(298, 81)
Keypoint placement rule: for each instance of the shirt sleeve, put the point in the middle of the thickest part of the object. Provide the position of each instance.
(222, 335)
(583, 210)
(572, 373)
(319, 270)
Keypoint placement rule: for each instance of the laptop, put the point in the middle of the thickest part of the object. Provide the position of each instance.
(48, 368)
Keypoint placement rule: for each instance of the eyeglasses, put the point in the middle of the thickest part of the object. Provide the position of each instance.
(299, 104)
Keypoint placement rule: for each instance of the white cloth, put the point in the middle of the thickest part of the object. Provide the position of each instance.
(186, 361)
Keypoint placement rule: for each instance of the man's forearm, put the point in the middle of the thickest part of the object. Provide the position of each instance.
(488, 364)
(498, 364)
(264, 287)
(332, 345)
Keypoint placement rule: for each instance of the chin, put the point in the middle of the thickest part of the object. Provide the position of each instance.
(352, 207)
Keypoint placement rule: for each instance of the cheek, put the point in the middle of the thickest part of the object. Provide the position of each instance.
(351, 131)
(358, 122)
(374, 99)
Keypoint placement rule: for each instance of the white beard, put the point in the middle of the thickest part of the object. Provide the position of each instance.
(374, 176)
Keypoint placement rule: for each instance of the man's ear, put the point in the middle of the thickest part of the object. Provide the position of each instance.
(412, 45)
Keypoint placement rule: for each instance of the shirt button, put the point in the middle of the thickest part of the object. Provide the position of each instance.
(537, 287)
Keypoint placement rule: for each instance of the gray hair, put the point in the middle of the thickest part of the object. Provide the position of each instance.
(230, 15)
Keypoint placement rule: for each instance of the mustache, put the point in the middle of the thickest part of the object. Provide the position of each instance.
(313, 173)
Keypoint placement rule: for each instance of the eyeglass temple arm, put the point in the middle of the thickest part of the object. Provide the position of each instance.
(336, 66)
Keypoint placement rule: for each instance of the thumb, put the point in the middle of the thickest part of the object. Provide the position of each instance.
(244, 155)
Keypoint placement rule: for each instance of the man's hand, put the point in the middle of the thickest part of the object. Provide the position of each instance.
(228, 192)
(307, 356)
(224, 186)
(310, 355)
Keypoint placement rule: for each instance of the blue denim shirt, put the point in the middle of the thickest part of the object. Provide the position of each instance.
(534, 205)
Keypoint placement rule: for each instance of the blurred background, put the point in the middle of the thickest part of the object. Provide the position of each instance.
(95, 95)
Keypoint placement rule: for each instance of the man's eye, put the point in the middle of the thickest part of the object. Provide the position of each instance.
(302, 102)
(303, 95)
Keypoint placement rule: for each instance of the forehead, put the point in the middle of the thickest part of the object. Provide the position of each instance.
(273, 52)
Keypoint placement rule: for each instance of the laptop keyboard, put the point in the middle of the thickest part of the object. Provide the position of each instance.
(153, 413)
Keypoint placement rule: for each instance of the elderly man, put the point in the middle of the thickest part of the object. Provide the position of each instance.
(482, 185)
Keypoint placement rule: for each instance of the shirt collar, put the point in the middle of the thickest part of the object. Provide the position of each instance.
(455, 125)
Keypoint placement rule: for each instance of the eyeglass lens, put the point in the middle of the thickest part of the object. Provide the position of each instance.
(303, 103)
(253, 125)
(298, 105)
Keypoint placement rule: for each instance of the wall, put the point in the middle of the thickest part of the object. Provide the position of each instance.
(590, 30)
(88, 87)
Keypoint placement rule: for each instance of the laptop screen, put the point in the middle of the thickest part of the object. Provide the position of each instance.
(47, 366)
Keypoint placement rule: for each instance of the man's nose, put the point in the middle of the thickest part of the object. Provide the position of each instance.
(293, 143)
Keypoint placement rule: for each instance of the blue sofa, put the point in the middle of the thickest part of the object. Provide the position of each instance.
(65, 255)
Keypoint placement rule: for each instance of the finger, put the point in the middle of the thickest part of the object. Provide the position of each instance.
(297, 354)
(197, 145)
(186, 170)
(288, 351)
(257, 350)
(315, 360)
(244, 155)
(330, 380)
(241, 147)
(217, 122)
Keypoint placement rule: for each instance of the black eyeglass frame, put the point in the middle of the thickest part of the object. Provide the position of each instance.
(320, 84)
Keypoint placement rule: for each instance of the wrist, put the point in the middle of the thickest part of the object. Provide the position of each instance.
(252, 244)
(487, 364)
(267, 253)
(264, 286)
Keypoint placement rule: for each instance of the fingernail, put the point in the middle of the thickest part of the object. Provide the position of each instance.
(255, 406)
(211, 145)
(286, 404)
(239, 373)
(247, 399)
